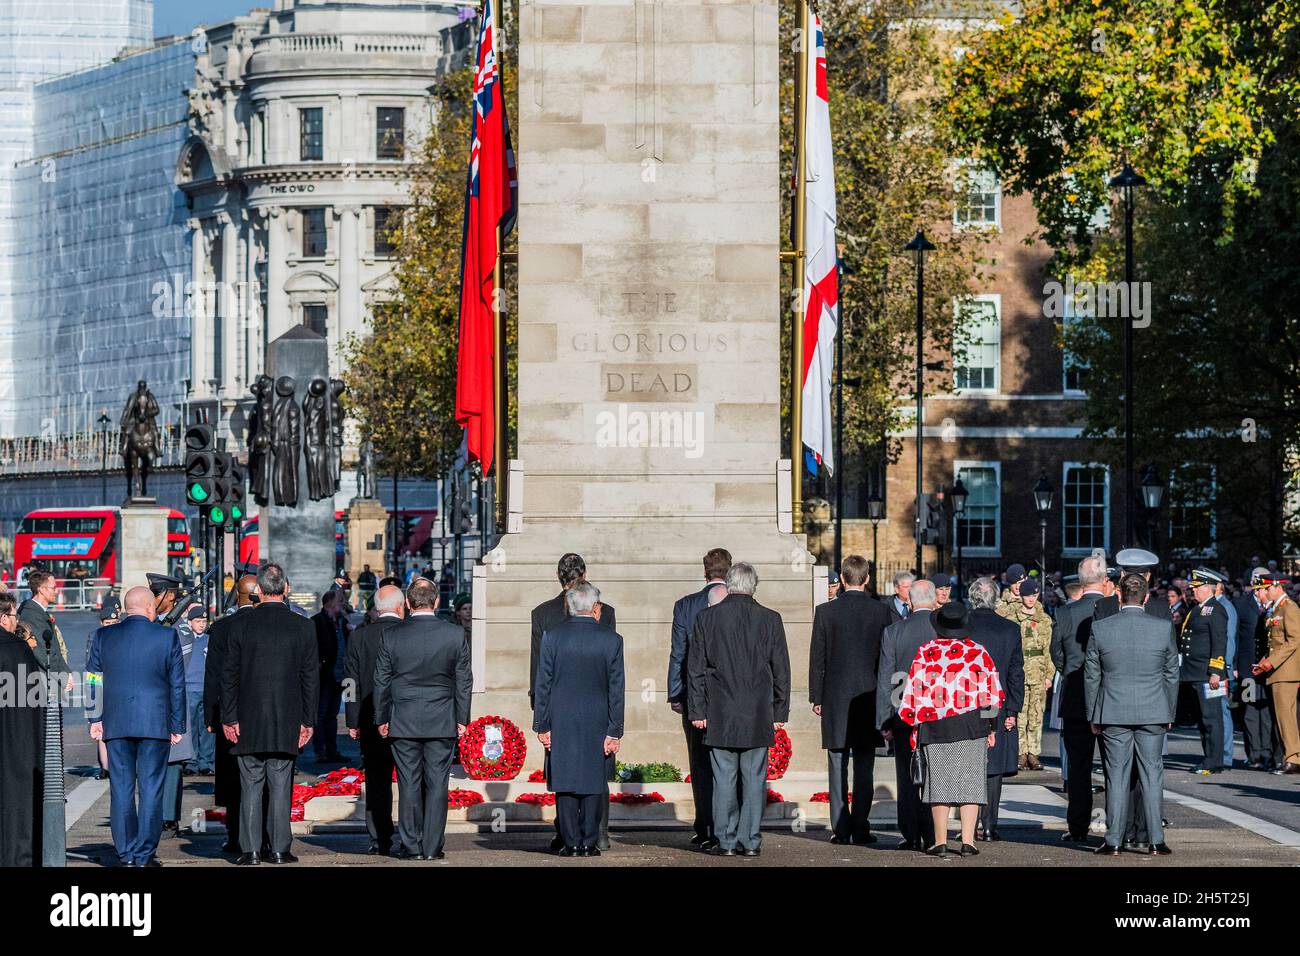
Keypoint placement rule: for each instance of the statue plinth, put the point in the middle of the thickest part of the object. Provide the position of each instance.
(141, 541)
(366, 536)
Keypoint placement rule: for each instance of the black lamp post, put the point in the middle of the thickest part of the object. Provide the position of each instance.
(958, 495)
(875, 511)
(1043, 495)
(1152, 492)
(919, 246)
(104, 422)
(1128, 182)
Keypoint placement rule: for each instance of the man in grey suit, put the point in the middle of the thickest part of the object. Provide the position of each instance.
(898, 647)
(1130, 684)
(422, 698)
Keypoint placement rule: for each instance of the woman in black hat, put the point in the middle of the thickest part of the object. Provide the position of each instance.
(951, 698)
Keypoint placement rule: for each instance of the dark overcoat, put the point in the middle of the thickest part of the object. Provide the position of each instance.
(579, 701)
(1001, 638)
(545, 616)
(843, 658)
(270, 680)
(738, 673)
(22, 748)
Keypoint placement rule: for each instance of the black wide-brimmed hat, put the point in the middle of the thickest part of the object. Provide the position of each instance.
(950, 620)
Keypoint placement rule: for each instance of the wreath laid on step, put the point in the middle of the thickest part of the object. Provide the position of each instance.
(778, 756)
(493, 748)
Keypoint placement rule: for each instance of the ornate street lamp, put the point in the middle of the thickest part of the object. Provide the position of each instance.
(104, 422)
(875, 511)
(919, 246)
(957, 494)
(1153, 491)
(1043, 495)
(1128, 181)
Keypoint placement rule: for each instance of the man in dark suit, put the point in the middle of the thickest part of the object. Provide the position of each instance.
(1259, 729)
(579, 715)
(1001, 638)
(716, 565)
(376, 751)
(1070, 635)
(738, 693)
(1130, 691)
(900, 603)
(843, 658)
(332, 632)
(35, 613)
(136, 673)
(898, 647)
(1203, 644)
(269, 699)
(570, 570)
(422, 698)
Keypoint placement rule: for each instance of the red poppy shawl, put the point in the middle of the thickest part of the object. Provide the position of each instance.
(949, 677)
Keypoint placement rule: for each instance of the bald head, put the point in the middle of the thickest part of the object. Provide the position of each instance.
(389, 599)
(139, 600)
(246, 590)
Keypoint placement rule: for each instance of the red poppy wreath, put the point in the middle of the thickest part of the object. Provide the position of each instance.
(492, 749)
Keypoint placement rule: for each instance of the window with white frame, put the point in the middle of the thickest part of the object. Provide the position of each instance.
(980, 529)
(1085, 507)
(977, 343)
(979, 197)
(1074, 370)
(1191, 510)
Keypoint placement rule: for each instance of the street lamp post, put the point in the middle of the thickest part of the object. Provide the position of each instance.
(1043, 495)
(1128, 182)
(958, 495)
(875, 511)
(919, 246)
(1152, 491)
(104, 422)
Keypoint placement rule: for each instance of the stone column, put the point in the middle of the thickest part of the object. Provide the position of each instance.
(200, 360)
(277, 247)
(349, 311)
(231, 322)
(252, 295)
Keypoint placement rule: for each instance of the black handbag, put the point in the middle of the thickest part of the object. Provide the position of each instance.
(918, 766)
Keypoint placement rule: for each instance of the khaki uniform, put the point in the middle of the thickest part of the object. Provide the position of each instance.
(1284, 679)
(1035, 644)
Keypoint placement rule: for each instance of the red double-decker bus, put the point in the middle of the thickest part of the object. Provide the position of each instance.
(248, 549)
(82, 542)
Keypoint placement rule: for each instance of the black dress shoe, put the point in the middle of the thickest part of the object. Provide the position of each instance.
(404, 854)
(557, 844)
(153, 861)
(939, 849)
(602, 843)
(722, 851)
(1106, 850)
(285, 857)
(229, 847)
(1160, 849)
(838, 840)
(995, 836)
(570, 851)
(373, 849)
(170, 825)
(1136, 846)
(1287, 769)
(1074, 838)
(440, 855)
(591, 851)
(699, 839)
(908, 845)
(754, 852)
(968, 850)
(248, 859)
(864, 839)
(708, 845)
(125, 863)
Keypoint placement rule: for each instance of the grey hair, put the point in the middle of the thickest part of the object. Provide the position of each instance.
(742, 578)
(581, 597)
(1092, 570)
(271, 580)
(904, 577)
(983, 593)
(391, 602)
(922, 592)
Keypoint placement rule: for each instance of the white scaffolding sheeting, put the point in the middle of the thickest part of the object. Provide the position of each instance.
(99, 229)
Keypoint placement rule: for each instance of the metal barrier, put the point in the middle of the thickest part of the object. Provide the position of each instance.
(75, 594)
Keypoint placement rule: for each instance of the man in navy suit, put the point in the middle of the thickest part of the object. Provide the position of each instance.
(716, 565)
(136, 675)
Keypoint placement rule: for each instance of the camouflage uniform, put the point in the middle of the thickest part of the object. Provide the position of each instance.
(1035, 642)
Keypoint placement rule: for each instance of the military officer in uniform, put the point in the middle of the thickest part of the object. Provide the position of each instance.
(1259, 727)
(1203, 647)
(1035, 625)
(1010, 595)
(1281, 668)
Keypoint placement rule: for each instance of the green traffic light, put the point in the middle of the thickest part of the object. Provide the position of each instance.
(217, 515)
(197, 492)
(236, 512)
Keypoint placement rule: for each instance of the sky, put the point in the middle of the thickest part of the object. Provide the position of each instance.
(179, 17)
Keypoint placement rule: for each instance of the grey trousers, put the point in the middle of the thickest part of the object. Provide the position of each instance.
(1120, 746)
(423, 769)
(850, 819)
(271, 774)
(737, 822)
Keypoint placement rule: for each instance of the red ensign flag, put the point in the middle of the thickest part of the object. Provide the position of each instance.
(489, 202)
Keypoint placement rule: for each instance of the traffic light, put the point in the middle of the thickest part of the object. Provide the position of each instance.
(200, 465)
(236, 495)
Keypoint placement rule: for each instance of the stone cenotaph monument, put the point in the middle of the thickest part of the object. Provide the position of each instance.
(649, 344)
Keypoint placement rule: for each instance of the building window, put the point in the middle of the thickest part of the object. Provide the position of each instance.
(386, 218)
(977, 344)
(1191, 510)
(313, 232)
(980, 528)
(311, 134)
(979, 197)
(316, 318)
(1085, 507)
(1075, 372)
(390, 132)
